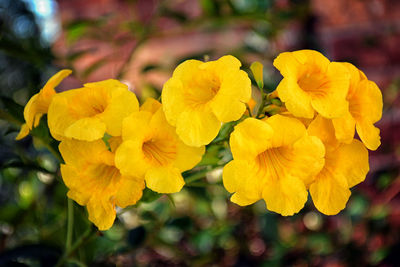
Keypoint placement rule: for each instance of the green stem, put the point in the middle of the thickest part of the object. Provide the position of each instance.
(197, 176)
(70, 224)
(263, 99)
(248, 109)
(79, 242)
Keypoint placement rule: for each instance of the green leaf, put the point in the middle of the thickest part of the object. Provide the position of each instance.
(149, 195)
(11, 111)
(76, 30)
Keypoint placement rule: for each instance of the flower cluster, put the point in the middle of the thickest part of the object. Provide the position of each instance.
(310, 145)
(112, 147)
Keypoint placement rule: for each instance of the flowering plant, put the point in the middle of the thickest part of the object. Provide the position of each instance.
(297, 139)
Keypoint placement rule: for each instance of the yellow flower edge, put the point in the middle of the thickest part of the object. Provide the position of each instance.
(200, 96)
(39, 103)
(365, 109)
(88, 113)
(346, 165)
(312, 83)
(93, 180)
(151, 149)
(273, 159)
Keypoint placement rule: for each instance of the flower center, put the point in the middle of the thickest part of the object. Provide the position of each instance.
(159, 152)
(273, 162)
(355, 108)
(89, 104)
(314, 82)
(104, 176)
(201, 89)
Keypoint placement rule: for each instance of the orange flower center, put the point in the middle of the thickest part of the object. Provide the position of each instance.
(273, 162)
(314, 83)
(201, 89)
(159, 152)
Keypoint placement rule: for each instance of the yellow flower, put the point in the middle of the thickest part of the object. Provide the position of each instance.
(151, 149)
(200, 96)
(93, 180)
(274, 159)
(311, 82)
(38, 105)
(365, 108)
(346, 165)
(88, 113)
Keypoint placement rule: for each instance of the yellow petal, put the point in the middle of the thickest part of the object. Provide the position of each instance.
(369, 134)
(296, 100)
(355, 77)
(86, 172)
(239, 178)
(86, 112)
(173, 92)
(250, 138)
(330, 193)
(352, 162)
(324, 130)
(151, 105)
(311, 57)
(223, 63)
(345, 128)
(286, 130)
(130, 159)
(80, 198)
(164, 180)
(366, 103)
(187, 157)
(88, 129)
(285, 196)
(185, 68)
(78, 152)
(160, 127)
(122, 105)
(114, 142)
(23, 132)
(332, 103)
(129, 192)
(101, 212)
(229, 103)
(308, 153)
(136, 126)
(287, 64)
(55, 80)
(31, 111)
(197, 128)
(309, 78)
(45, 95)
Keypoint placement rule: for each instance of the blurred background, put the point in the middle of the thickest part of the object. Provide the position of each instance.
(140, 42)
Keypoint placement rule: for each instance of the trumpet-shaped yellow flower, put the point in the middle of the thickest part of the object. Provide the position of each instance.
(311, 82)
(346, 165)
(151, 149)
(200, 96)
(93, 180)
(88, 113)
(39, 103)
(274, 159)
(365, 109)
